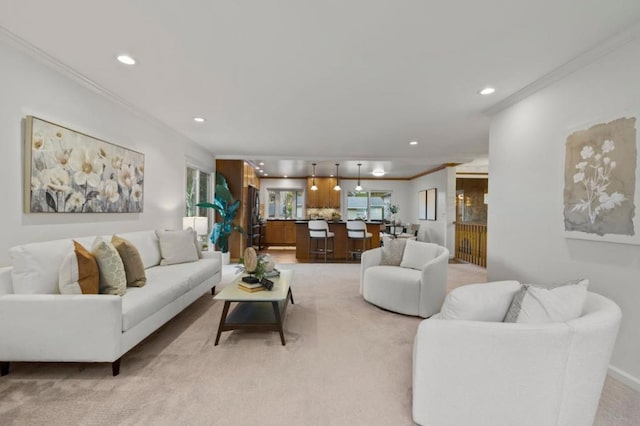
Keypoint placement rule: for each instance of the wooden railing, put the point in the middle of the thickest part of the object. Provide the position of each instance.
(471, 243)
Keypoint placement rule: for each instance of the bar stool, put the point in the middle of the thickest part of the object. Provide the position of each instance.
(357, 230)
(319, 231)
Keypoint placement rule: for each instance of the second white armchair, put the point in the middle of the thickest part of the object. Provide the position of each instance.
(416, 286)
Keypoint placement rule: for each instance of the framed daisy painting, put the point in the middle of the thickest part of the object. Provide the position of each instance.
(70, 172)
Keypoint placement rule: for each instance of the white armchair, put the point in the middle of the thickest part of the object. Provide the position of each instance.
(468, 372)
(406, 290)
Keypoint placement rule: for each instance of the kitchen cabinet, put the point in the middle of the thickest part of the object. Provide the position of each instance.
(280, 233)
(325, 196)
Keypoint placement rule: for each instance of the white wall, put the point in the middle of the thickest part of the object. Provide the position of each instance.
(525, 222)
(29, 87)
(442, 230)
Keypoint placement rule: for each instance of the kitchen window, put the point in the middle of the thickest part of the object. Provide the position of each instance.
(367, 205)
(285, 203)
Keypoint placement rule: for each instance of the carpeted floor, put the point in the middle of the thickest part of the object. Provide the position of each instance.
(346, 362)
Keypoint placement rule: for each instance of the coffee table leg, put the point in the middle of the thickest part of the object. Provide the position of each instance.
(276, 311)
(225, 310)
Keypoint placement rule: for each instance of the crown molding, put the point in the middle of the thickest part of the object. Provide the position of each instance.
(35, 52)
(577, 63)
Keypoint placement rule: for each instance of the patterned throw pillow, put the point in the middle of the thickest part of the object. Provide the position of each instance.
(537, 305)
(88, 273)
(79, 273)
(113, 279)
(392, 251)
(132, 261)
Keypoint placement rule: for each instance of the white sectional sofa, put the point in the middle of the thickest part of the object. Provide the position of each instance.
(38, 324)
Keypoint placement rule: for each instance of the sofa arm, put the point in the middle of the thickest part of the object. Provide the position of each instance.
(433, 285)
(491, 373)
(51, 327)
(369, 258)
(212, 255)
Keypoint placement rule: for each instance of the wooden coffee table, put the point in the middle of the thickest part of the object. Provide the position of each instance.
(263, 310)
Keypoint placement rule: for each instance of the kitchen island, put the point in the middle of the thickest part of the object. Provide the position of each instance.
(340, 239)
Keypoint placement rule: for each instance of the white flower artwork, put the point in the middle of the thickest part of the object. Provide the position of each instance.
(70, 172)
(600, 182)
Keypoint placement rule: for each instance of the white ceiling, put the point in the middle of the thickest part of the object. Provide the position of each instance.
(331, 80)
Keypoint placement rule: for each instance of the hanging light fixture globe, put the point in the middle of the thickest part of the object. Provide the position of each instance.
(313, 182)
(358, 187)
(337, 187)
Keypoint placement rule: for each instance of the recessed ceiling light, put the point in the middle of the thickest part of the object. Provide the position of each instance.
(487, 91)
(258, 168)
(261, 163)
(285, 176)
(378, 173)
(330, 175)
(265, 174)
(126, 59)
(199, 119)
(413, 143)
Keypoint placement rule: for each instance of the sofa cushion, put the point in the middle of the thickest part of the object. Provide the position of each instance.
(113, 279)
(36, 265)
(196, 272)
(177, 247)
(417, 254)
(393, 288)
(79, 272)
(133, 266)
(538, 305)
(164, 285)
(480, 302)
(147, 244)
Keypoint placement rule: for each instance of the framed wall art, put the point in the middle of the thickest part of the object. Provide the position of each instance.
(432, 204)
(67, 171)
(600, 182)
(422, 205)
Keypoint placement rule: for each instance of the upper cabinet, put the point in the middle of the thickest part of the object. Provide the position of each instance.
(325, 196)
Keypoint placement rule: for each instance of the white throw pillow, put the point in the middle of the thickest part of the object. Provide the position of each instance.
(68, 275)
(113, 279)
(35, 266)
(537, 305)
(480, 302)
(417, 254)
(177, 247)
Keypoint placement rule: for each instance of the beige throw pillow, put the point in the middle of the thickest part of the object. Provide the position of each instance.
(537, 305)
(113, 279)
(177, 247)
(392, 251)
(132, 261)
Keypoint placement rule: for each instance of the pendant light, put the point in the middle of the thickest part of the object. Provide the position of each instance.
(313, 182)
(359, 188)
(337, 187)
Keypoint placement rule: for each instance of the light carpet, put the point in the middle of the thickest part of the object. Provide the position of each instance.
(346, 362)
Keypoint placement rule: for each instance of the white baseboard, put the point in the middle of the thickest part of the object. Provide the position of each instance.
(626, 378)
